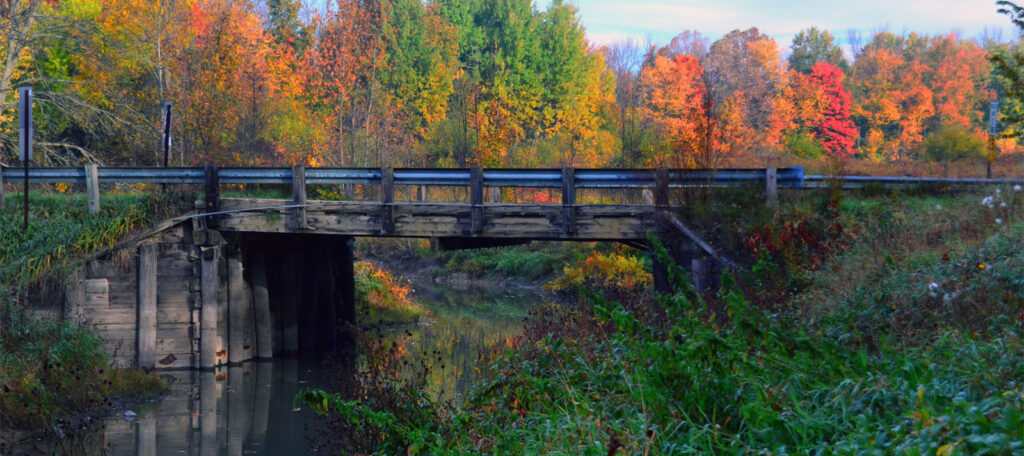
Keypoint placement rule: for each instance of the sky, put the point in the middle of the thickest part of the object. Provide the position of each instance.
(608, 21)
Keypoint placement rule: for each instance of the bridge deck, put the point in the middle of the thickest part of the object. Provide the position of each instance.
(506, 221)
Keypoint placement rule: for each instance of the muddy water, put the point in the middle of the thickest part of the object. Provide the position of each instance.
(249, 410)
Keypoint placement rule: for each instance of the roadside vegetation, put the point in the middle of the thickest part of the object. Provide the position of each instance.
(382, 298)
(52, 371)
(878, 323)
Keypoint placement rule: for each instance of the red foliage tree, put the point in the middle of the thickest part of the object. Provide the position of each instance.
(836, 131)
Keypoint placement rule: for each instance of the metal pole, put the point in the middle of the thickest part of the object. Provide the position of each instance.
(25, 138)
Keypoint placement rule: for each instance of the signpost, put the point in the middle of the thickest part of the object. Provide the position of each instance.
(993, 125)
(166, 142)
(25, 137)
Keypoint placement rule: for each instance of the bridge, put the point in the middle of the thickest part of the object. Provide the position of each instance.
(245, 278)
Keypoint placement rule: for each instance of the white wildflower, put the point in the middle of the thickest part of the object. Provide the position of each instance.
(1002, 204)
(999, 221)
(1017, 188)
(938, 207)
(933, 286)
(998, 191)
(988, 201)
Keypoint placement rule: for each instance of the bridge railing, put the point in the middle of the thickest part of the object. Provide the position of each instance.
(569, 179)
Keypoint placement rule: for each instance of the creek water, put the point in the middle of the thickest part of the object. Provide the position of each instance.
(248, 409)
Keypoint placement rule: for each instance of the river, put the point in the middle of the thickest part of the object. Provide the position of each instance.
(248, 409)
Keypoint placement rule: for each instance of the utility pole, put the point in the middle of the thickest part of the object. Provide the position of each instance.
(25, 138)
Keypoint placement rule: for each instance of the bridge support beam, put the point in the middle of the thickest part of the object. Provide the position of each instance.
(240, 321)
(146, 310)
(346, 287)
(292, 297)
(261, 304)
(209, 284)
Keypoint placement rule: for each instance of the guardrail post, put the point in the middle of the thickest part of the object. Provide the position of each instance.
(212, 194)
(568, 200)
(661, 188)
(299, 196)
(771, 185)
(476, 199)
(387, 200)
(92, 186)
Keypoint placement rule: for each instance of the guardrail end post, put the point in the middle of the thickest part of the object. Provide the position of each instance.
(661, 195)
(212, 194)
(387, 199)
(568, 200)
(476, 199)
(92, 185)
(771, 186)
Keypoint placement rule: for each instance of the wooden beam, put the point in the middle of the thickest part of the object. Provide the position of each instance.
(209, 284)
(476, 199)
(212, 194)
(568, 200)
(261, 304)
(92, 186)
(208, 413)
(239, 309)
(387, 199)
(346, 302)
(771, 186)
(661, 195)
(299, 197)
(293, 298)
(146, 307)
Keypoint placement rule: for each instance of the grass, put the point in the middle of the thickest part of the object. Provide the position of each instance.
(533, 261)
(53, 370)
(847, 349)
(382, 298)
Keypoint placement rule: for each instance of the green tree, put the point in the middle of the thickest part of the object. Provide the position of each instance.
(811, 46)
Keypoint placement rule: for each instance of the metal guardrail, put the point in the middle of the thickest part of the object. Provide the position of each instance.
(537, 178)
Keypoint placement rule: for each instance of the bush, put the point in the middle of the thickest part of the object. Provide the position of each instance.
(382, 298)
(952, 143)
(803, 145)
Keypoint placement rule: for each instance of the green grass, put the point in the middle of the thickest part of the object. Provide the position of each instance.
(50, 369)
(855, 354)
(533, 261)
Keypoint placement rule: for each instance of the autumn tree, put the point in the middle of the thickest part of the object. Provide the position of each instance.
(813, 45)
(835, 128)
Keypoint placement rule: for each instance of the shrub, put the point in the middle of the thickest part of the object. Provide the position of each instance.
(952, 143)
(382, 298)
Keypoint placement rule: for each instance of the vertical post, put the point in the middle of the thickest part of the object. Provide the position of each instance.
(239, 310)
(208, 314)
(568, 200)
(92, 185)
(146, 302)
(771, 185)
(346, 312)
(661, 178)
(166, 143)
(212, 194)
(239, 403)
(476, 199)
(387, 200)
(309, 304)
(261, 400)
(290, 306)
(25, 138)
(207, 413)
(299, 196)
(261, 304)
(326, 311)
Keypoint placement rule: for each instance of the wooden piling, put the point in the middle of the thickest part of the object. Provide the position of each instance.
(145, 434)
(387, 200)
(290, 305)
(261, 304)
(326, 311)
(308, 305)
(261, 400)
(568, 200)
(771, 186)
(299, 197)
(240, 319)
(239, 403)
(476, 199)
(92, 185)
(345, 282)
(208, 413)
(209, 286)
(146, 307)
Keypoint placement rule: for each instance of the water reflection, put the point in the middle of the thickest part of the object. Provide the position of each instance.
(248, 409)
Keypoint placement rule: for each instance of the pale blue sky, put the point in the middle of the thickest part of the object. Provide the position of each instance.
(609, 20)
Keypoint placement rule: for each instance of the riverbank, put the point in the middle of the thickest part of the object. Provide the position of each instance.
(885, 323)
(55, 375)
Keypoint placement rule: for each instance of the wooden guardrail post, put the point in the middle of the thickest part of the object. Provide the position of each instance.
(387, 200)
(568, 200)
(212, 194)
(661, 178)
(146, 307)
(299, 196)
(476, 199)
(771, 186)
(92, 186)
